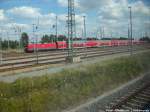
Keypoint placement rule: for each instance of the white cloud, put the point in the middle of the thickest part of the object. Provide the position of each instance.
(22, 26)
(47, 19)
(64, 3)
(93, 4)
(11, 27)
(78, 18)
(114, 14)
(25, 12)
(2, 15)
(140, 8)
(111, 14)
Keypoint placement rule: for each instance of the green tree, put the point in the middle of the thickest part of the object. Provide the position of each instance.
(52, 38)
(123, 38)
(24, 39)
(45, 39)
(48, 38)
(145, 39)
(62, 38)
(13, 44)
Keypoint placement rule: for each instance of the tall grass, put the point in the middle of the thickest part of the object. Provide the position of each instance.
(70, 87)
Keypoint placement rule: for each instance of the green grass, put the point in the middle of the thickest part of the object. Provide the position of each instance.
(70, 87)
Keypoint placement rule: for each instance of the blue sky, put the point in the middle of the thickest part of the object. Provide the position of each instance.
(108, 15)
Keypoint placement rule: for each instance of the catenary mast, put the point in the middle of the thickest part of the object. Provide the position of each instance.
(71, 26)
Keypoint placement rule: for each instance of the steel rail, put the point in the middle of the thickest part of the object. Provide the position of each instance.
(48, 57)
(135, 99)
(55, 60)
(53, 53)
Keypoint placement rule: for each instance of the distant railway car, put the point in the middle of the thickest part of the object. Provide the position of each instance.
(140, 42)
(122, 42)
(61, 45)
(114, 43)
(91, 44)
(40, 47)
(79, 44)
(105, 43)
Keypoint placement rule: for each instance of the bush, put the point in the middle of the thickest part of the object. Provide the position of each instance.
(70, 87)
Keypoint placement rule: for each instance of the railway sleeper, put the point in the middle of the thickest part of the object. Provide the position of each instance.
(138, 101)
(141, 98)
(134, 105)
(146, 92)
(126, 107)
(145, 95)
(121, 101)
(131, 94)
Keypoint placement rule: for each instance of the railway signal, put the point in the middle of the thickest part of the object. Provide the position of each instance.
(17, 30)
(103, 32)
(35, 27)
(84, 27)
(56, 28)
(130, 33)
(19, 35)
(84, 34)
(1, 54)
(8, 44)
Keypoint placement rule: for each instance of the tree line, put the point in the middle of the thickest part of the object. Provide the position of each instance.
(24, 40)
(52, 38)
(5, 44)
(145, 39)
(14, 44)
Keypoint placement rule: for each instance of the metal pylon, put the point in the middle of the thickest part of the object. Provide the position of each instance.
(71, 27)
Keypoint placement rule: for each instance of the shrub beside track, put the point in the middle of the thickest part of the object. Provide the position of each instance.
(70, 87)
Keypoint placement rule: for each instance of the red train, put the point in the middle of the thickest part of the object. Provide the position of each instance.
(78, 44)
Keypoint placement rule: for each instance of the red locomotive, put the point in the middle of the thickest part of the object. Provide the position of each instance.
(78, 44)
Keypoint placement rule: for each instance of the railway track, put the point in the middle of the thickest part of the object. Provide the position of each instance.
(50, 56)
(135, 100)
(22, 63)
(7, 55)
(54, 53)
(59, 52)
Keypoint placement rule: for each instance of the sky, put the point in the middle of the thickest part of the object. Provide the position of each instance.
(110, 16)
